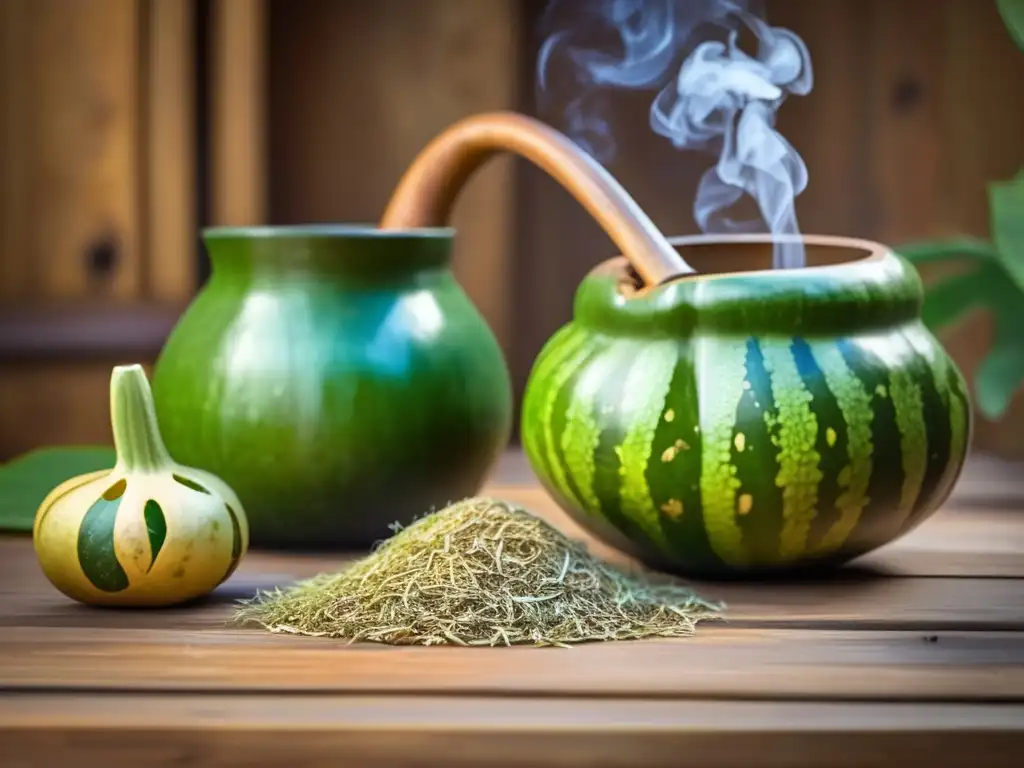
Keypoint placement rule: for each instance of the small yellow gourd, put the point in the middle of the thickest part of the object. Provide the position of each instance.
(149, 532)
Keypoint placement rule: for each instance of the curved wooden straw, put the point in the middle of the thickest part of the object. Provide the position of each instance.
(426, 193)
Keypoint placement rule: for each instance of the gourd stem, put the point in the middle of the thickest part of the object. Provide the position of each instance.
(137, 437)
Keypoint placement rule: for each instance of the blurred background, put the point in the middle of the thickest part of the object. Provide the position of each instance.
(127, 125)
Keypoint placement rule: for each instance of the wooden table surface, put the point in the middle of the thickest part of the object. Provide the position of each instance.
(914, 653)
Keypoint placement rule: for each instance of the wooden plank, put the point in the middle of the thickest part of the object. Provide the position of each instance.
(238, 140)
(55, 403)
(981, 114)
(356, 60)
(854, 598)
(982, 119)
(76, 149)
(989, 480)
(826, 126)
(479, 64)
(956, 542)
(52, 332)
(905, 70)
(206, 731)
(15, 95)
(170, 149)
(717, 663)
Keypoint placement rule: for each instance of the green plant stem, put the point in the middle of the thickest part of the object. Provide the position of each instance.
(942, 250)
(137, 440)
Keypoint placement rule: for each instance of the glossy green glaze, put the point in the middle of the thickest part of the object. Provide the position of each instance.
(338, 378)
(751, 421)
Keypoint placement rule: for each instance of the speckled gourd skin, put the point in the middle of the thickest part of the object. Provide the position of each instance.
(749, 422)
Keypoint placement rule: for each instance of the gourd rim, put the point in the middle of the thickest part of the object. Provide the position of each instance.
(870, 252)
(326, 231)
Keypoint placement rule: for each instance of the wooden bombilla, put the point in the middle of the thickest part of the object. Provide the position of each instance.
(427, 191)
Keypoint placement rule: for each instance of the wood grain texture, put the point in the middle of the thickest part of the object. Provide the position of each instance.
(858, 669)
(905, 58)
(15, 261)
(827, 127)
(235, 731)
(358, 89)
(812, 621)
(55, 403)
(914, 655)
(982, 113)
(983, 119)
(170, 151)
(718, 663)
(859, 600)
(238, 128)
(72, 124)
(58, 332)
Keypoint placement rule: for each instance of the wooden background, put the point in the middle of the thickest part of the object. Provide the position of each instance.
(125, 125)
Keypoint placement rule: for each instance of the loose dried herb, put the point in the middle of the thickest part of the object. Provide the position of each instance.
(480, 572)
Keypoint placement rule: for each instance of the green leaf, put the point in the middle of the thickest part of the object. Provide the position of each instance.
(988, 287)
(943, 250)
(26, 480)
(1000, 373)
(948, 301)
(1012, 12)
(1006, 203)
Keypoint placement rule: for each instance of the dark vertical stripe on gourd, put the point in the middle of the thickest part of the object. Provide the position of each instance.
(156, 530)
(673, 473)
(831, 444)
(905, 390)
(578, 438)
(647, 386)
(854, 402)
(754, 452)
(960, 407)
(936, 412)
(884, 487)
(236, 543)
(574, 432)
(568, 369)
(97, 554)
(936, 415)
(607, 465)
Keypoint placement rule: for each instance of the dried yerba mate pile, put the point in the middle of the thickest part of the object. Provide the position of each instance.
(480, 572)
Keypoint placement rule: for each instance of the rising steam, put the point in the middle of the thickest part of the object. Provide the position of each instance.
(720, 99)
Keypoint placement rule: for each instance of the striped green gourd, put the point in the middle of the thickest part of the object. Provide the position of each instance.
(752, 420)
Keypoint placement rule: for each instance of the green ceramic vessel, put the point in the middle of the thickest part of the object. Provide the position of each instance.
(747, 420)
(337, 377)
